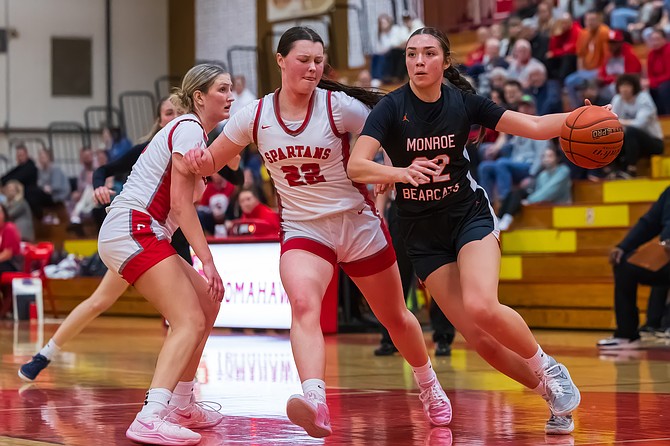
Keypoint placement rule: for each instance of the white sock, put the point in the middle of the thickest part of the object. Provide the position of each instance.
(538, 362)
(49, 350)
(425, 374)
(314, 385)
(181, 397)
(155, 401)
(540, 389)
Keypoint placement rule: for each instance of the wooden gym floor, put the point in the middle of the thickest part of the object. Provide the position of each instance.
(92, 390)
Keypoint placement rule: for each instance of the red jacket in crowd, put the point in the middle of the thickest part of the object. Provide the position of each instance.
(264, 213)
(566, 43)
(632, 64)
(658, 66)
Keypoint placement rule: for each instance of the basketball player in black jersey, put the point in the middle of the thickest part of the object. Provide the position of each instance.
(445, 217)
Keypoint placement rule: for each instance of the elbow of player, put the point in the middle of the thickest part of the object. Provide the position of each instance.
(354, 171)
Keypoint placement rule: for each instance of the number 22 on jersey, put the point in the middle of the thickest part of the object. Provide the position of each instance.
(442, 161)
(303, 174)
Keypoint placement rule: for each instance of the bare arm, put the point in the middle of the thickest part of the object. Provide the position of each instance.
(362, 169)
(529, 126)
(181, 204)
(205, 162)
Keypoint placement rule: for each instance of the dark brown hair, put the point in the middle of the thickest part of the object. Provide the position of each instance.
(292, 35)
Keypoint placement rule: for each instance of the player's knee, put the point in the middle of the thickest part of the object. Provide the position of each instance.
(481, 314)
(99, 306)
(303, 307)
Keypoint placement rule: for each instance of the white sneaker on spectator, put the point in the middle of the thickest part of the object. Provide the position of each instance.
(613, 343)
(505, 222)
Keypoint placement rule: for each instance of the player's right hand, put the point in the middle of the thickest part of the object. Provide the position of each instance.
(419, 172)
(197, 161)
(214, 282)
(103, 195)
(616, 254)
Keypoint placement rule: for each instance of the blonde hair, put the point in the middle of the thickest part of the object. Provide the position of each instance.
(198, 78)
(19, 189)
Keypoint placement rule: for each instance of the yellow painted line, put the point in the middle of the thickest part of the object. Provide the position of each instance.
(538, 241)
(510, 268)
(591, 216)
(81, 247)
(633, 190)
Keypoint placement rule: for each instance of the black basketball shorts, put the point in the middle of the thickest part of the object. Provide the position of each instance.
(435, 239)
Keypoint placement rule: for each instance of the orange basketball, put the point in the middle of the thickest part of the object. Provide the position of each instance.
(591, 137)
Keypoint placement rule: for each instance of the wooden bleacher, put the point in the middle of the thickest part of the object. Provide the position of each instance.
(555, 258)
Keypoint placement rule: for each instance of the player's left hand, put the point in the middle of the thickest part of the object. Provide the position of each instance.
(214, 282)
(197, 161)
(607, 107)
(381, 189)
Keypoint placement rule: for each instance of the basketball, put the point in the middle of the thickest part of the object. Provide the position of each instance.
(591, 137)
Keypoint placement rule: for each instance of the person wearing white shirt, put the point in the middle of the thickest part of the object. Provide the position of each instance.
(241, 94)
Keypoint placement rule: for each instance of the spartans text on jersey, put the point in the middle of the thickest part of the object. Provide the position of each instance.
(297, 152)
(431, 143)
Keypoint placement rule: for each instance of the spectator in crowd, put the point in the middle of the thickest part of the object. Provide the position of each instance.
(513, 32)
(53, 187)
(364, 79)
(547, 93)
(82, 198)
(622, 14)
(552, 185)
(522, 62)
(498, 96)
(497, 78)
(18, 210)
(650, 16)
(576, 8)
(655, 223)
(562, 54)
(658, 314)
(543, 24)
(592, 50)
(620, 59)
(25, 171)
(658, 70)
(380, 64)
(214, 203)
(10, 254)
(401, 33)
(522, 159)
(115, 142)
(513, 92)
(482, 71)
(241, 94)
(253, 211)
(476, 56)
(637, 113)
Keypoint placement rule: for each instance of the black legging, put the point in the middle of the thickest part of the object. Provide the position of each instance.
(638, 143)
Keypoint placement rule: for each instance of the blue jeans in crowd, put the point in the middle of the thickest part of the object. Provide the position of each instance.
(501, 174)
(576, 81)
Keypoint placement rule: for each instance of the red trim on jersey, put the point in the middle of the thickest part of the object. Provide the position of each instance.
(153, 250)
(312, 246)
(371, 265)
(159, 203)
(257, 119)
(331, 118)
(310, 108)
(362, 188)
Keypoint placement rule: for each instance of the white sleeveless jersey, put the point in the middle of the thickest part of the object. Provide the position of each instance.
(148, 186)
(307, 159)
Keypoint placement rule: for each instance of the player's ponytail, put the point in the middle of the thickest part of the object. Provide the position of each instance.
(454, 76)
(198, 78)
(292, 35)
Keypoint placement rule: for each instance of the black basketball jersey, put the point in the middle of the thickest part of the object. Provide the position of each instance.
(395, 123)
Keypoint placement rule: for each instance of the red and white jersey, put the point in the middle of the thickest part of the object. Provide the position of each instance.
(307, 159)
(148, 186)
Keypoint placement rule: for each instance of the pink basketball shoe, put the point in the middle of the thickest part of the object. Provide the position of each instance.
(156, 430)
(197, 415)
(311, 413)
(436, 404)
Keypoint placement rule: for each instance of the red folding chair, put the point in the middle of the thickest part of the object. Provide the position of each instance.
(35, 258)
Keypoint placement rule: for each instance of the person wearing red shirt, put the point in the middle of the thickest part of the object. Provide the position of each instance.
(214, 202)
(10, 248)
(620, 60)
(562, 54)
(255, 211)
(658, 70)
